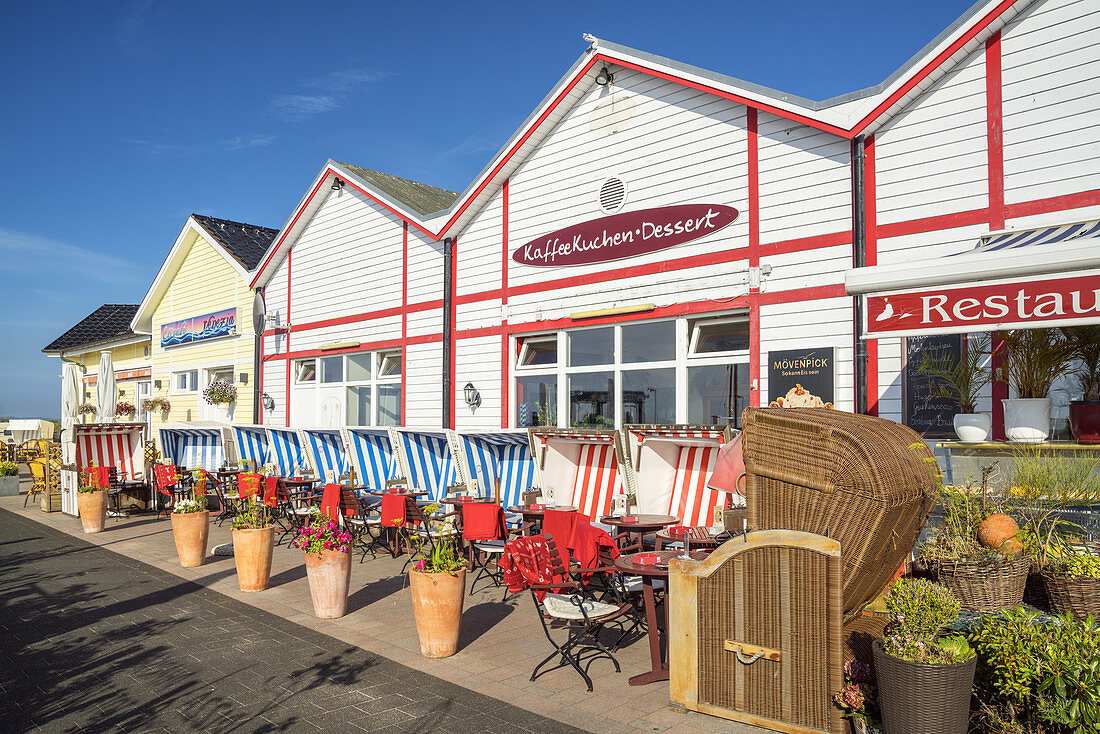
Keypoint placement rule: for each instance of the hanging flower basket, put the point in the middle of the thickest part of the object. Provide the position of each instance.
(86, 409)
(151, 405)
(123, 408)
(220, 392)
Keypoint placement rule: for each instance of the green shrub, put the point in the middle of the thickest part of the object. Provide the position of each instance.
(1044, 677)
(9, 469)
(920, 610)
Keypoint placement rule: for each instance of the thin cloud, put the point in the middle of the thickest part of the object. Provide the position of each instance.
(71, 266)
(333, 89)
(130, 30)
(240, 142)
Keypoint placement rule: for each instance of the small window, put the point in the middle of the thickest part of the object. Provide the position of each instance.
(389, 364)
(186, 381)
(727, 335)
(649, 341)
(332, 369)
(359, 367)
(305, 370)
(538, 350)
(591, 346)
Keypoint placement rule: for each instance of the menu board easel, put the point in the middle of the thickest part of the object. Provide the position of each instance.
(930, 416)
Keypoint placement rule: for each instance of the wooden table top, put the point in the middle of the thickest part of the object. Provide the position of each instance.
(627, 565)
(642, 521)
(699, 535)
(541, 509)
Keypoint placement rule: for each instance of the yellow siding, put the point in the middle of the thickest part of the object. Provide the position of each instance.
(205, 283)
(125, 358)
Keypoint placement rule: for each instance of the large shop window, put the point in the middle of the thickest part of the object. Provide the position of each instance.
(360, 389)
(667, 371)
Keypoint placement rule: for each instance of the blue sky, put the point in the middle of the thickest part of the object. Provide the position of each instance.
(120, 119)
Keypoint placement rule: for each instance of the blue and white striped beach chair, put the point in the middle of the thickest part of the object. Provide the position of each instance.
(285, 450)
(487, 457)
(326, 452)
(371, 454)
(252, 445)
(425, 461)
(194, 447)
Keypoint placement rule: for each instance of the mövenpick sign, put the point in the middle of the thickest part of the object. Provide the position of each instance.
(1002, 305)
(625, 235)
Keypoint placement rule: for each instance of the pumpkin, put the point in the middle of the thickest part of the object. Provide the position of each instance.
(998, 529)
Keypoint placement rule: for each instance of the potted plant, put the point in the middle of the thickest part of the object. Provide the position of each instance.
(438, 584)
(1038, 676)
(124, 409)
(976, 553)
(857, 698)
(9, 479)
(91, 502)
(328, 565)
(962, 381)
(221, 394)
(253, 544)
(151, 405)
(1034, 359)
(1084, 414)
(191, 524)
(924, 678)
(1073, 581)
(86, 410)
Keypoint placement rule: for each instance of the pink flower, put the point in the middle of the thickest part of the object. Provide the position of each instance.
(420, 565)
(328, 545)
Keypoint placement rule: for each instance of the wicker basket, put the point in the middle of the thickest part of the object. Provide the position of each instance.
(985, 586)
(1077, 594)
(919, 698)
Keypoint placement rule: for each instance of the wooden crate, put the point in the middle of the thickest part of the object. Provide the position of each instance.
(50, 501)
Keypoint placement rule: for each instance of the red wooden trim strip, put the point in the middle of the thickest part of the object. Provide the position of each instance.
(404, 313)
(931, 224)
(365, 346)
(931, 66)
(450, 409)
(753, 144)
(994, 132)
(286, 389)
(505, 357)
(871, 251)
(1054, 204)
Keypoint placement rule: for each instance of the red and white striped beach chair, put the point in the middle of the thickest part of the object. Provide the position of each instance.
(582, 468)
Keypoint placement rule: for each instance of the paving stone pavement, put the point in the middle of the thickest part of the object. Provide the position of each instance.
(94, 641)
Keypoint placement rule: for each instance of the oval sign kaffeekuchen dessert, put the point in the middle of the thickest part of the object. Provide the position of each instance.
(628, 234)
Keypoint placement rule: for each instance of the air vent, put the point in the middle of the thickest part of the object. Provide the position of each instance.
(612, 195)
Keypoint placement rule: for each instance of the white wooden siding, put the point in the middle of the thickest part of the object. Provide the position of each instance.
(1051, 100)
(423, 385)
(819, 323)
(478, 361)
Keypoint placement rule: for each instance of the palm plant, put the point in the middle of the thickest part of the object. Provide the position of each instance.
(1034, 359)
(959, 380)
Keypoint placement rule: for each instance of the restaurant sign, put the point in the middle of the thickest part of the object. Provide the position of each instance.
(1058, 302)
(625, 235)
(197, 328)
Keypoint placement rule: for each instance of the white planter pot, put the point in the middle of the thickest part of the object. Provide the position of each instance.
(973, 427)
(1027, 420)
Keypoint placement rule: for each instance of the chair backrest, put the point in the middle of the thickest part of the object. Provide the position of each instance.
(286, 451)
(164, 476)
(350, 504)
(271, 491)
(371, 454)
(426, 461)
(326, 452)
(248, 484)
(38, 468)
(532, 560)
(482, 521)
(394, 510)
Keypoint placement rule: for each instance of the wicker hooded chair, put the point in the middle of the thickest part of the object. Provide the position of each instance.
(758, 630)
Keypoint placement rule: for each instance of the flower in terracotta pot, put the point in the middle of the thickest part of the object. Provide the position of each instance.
(91, 501)
(328, 565)
(438, 584)
(253, 545)
(191, 524)
(924, 677)
(962, 381)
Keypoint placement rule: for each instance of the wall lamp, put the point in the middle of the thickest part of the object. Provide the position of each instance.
(268, 402)
(473, 397)
(605, 77)
(337, 184)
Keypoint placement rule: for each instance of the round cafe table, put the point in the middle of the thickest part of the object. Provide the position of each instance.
(699, 537)
(625, 564)
(532, 514)
(641, 524)
(463, 500)
(398, 492)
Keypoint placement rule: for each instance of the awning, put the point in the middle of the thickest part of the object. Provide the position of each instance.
(1048, 276)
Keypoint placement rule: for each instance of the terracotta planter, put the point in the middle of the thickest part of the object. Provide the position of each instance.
(252, 553)
(437, 605)
(93, 510)
(1084, 421)
(919, 698)
(191, 531)
(329, 574)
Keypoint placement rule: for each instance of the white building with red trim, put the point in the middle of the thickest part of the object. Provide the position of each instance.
(562, 290)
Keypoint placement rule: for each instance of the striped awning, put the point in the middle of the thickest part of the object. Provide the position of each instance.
(1034, 237)
(194, 447)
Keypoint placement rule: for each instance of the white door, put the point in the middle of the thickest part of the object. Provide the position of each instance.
(332, 406)
(144, 392)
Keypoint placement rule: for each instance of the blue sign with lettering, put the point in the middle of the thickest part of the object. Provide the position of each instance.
(197, 328)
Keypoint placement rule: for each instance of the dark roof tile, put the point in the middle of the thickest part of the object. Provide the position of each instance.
(247, 243)
(107, 323)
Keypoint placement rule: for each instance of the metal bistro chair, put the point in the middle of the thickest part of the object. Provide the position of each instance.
(38, 479)
(484, 532)
(534, 563)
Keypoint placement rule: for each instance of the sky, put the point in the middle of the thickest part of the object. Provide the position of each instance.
(122, 118)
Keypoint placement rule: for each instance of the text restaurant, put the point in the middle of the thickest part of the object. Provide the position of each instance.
(658, 243)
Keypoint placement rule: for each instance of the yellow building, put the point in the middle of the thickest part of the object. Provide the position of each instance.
(198, 312)
(107, 329)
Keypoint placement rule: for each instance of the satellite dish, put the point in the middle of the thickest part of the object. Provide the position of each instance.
(259, 312)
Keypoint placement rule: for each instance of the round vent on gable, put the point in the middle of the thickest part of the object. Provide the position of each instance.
(612, 195)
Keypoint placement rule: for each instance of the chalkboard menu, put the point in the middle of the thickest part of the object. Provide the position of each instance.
(928, 415)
